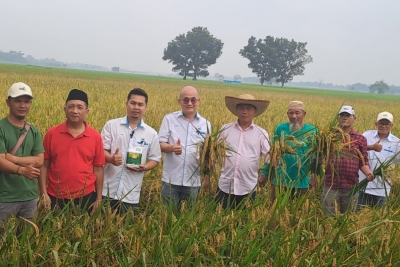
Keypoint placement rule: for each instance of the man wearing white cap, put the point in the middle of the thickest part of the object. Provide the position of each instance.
(21, 155)
(239, 174)
(293, 174)
(382, 146)
(341, 173)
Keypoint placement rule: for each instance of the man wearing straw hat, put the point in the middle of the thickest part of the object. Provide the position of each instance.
(293, 175)
(341, 175)
(239, 174)
(383, 146)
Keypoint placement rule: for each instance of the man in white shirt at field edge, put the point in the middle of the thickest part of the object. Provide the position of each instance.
(179, 134)
(382, 146)
(122, 183)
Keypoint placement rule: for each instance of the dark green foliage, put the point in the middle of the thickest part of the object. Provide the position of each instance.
(276, 59)
(193, 53)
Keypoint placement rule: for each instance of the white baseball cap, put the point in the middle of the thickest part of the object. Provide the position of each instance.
(347, 109)
(19, 89)
(385, 116)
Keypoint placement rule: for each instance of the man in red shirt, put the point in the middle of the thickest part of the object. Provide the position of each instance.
(340, 180)
(73, 159)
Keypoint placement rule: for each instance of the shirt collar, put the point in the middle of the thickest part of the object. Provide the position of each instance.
(64, 128)
(125, 121)
(197, 116)
(389, 137)
(238, 126)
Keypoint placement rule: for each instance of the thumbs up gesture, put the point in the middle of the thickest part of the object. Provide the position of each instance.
(116, 158)
(377, 146)
(177, 148)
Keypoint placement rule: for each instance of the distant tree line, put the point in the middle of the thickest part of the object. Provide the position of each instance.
(19, 57)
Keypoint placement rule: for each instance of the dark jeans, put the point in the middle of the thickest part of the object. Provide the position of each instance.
(372, 201)
(175, 194)
(120, 206)
(83, 202)
(232, 201)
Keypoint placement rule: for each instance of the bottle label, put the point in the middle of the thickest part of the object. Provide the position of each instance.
(134, 157)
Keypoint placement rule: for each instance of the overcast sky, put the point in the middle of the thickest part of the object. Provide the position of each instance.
(350, 40)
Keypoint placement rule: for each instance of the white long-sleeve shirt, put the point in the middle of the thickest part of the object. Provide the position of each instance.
(390, 146)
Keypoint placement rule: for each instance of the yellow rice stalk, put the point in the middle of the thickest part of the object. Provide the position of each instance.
(212, 153)
(329, 143)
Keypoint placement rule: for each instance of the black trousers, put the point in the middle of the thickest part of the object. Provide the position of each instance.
(232, 201)
(83, 202)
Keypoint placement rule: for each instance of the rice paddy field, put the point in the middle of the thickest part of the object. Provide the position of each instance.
(286, 233)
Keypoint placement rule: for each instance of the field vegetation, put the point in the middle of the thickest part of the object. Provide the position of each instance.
(287, 233)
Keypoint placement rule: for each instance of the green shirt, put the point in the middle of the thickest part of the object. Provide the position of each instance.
(294, 175)
(14, 187)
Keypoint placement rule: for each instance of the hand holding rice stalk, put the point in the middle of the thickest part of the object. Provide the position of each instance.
(280, 145)
(329, 142)
(212, 152)
(382, 170)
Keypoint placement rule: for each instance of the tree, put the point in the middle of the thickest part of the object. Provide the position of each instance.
(276, 58)
(379, 86)
(259, 54)
(193, 53)
(237, 77)
(216, 75)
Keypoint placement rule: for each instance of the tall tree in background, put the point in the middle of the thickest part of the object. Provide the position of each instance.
(276, 58)
(380, 87)
(259, 53)
(193, 53)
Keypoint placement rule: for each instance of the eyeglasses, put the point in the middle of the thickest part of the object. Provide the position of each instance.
(386, 124)
(345, 115)
(186, 100)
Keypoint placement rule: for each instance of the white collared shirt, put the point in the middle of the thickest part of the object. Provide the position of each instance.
(183, 169)
(390, 146)
(239, 174)
(119, 182)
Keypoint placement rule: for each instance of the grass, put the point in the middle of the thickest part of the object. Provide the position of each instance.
(286, 233)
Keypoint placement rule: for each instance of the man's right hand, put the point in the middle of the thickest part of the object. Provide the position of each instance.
(377, 146)
(46, 201)
(262, 180)
(29, 172)
(116, 158)
(177, 148)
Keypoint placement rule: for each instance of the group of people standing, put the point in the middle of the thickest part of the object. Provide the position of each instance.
(75, 163)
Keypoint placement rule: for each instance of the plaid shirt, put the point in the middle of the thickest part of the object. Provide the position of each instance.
(345, 173)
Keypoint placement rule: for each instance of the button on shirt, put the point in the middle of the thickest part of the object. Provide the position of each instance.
(119, 182)
(183, 169)
(239, 174)
(344, 174)
(390, 147)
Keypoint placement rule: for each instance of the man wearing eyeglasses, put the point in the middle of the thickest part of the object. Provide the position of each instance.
(342, 171)
(382, 146)
(179, 134)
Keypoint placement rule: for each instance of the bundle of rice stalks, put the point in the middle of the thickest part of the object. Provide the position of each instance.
(212, 153)
(329, 143)
(280, 145)
(383, 169)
